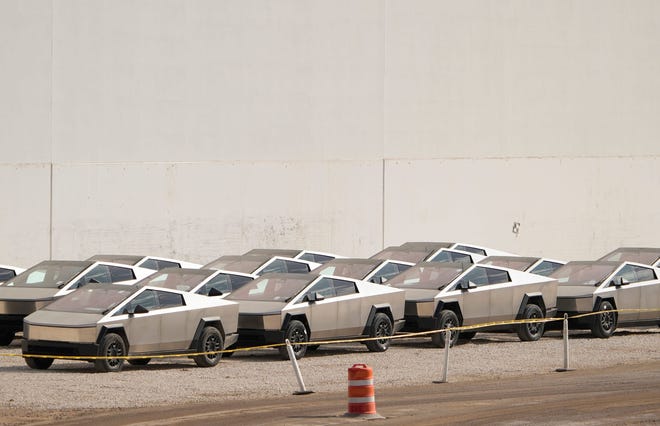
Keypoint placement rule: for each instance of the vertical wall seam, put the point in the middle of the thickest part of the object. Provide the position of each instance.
(382, 237)
(52, 72)
(50, 217)
(383, 129)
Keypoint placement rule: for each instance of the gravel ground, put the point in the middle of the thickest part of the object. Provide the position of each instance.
(74, 385)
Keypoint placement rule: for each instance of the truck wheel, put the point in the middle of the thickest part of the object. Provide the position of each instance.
(447, 319)
(380, 327)
(296, 333)
(532, 331)
(210, 341)
(39, 363)
(112, 345)
(604, 324)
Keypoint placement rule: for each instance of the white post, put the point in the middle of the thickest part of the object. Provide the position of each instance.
(446, 365)
(296, 369)
(565, 338)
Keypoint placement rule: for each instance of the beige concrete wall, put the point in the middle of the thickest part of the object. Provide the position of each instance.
(217, 80)
(25, 81)
(475, 79)
(171, 126)
(25, 131)
(539, 112)
(200, 211)
(25, 213)
(565, 208)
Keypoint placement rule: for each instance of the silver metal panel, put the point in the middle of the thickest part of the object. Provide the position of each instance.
(323, 318)
(351, 316)
(650, 300)
(66, 319)
(60, 334)
(625, 297)
(575, 304)
(17, 308)
(475, 305)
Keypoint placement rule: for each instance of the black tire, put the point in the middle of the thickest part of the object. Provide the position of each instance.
(39, 363)
(209, 341)
(466, 336)
(6, 337)
(380, 327)
(604, 324)
(139, 361)
(296, 333)
(530, 332)
(112, 345)
(447, 319)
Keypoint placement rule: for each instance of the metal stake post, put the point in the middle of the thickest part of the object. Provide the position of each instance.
(446, 366)
(566, 354)
(296, 370)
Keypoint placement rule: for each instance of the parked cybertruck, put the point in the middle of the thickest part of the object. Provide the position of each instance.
(643, 255)
(309, 255)
(115, 321)
(443, 295)
(372, 270)
(597, 286)
(315, 308)
(209, 282)
(8, 272)
(149, 262)
(259, 264)
(437, 252)
(48, 280)
(533, 265)
(436, 247)
(403, 254)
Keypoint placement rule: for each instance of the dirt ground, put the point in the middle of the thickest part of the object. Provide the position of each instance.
(626, 394)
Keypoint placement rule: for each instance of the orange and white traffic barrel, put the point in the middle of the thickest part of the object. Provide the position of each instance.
(361, 395)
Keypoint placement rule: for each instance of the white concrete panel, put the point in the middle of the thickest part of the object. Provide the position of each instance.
(25, 71)
(519, 78)
(25, 214)
(201, 211)
(184, 80)
(573, 209)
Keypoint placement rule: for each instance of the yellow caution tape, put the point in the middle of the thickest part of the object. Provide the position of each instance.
(328, 342)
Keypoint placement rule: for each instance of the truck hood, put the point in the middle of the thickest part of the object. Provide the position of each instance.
(27, 293)
(62, 319)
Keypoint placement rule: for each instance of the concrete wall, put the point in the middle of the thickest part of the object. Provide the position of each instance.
(199, 128)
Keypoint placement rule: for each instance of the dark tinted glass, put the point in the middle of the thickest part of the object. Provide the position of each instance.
(296, 267)
(318, 258)
(546, 268)
(169, 300)
(157, 264)
(471, 249)
(118, 274)
(343, 288)
(6, 274)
